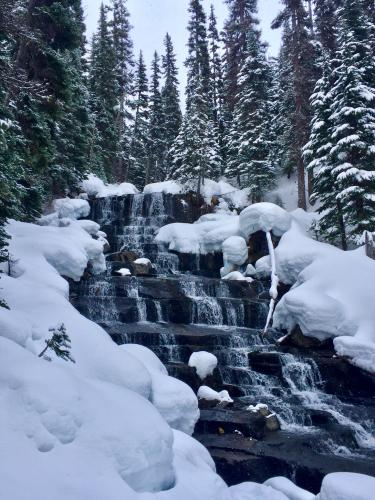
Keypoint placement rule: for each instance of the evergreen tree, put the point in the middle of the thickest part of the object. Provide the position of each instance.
(242, 19)
(104, 100)
(302, 54)
(139, 152)
(250, 133)
(157, 145)
(171, 102)
(326, 22)
(217, 84)
(123, 47)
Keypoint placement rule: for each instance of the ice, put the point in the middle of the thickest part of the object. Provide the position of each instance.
(95, 187)
(204, 363)
(346, 485)
(205, 392)
(264, 217)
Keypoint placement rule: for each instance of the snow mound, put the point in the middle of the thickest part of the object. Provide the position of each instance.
(143, 261)
(95, 187)
(167, 187)
(204, 236)
(124, 272)
(239, 198)
(235, 250)
(71, 208)
(237, 276)
(204, 363)
(205, 392)
(254, 491)
(264, 217)
(346, 485)
(174, 399)
(292, 491)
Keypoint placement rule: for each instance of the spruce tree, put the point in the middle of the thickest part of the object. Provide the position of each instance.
(326, 22)
(139, 149)
(242, 19)
(104, 100)
(250, 133)
(296, 22)
(217, 85)
(123, 47)
(157, 146)
(171, 102)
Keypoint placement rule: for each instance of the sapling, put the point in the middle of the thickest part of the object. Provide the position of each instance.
(59, 343)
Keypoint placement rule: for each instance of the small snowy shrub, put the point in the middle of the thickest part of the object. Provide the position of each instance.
(59, 343)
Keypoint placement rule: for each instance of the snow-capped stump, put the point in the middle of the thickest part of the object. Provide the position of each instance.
(204, 363)
(265, 217)
(142, 266)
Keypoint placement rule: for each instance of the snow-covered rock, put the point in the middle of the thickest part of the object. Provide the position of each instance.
(346, 485)
(254, 491)
(95, 187)
(235, 250)
(264, 217)
(124, 272)
(205, 392)
(250, 270)
(204, 363)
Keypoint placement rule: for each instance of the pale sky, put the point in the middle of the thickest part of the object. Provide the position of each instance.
(151, 19)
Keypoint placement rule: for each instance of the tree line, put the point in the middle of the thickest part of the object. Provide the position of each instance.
(68, 107)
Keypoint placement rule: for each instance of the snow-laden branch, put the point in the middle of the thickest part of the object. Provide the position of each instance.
(274, 282)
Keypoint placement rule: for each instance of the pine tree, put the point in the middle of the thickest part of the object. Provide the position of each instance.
(123, 47)
(157, 146)
(326, 22)
(171, 102)
(104, 100)
(139, 151)
(353, 122)
(217, 85)
(250, 133)
(242, 19)
(302, 54)
(59, 343)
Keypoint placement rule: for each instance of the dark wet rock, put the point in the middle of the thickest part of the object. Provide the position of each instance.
(226, 421)
(297, 339)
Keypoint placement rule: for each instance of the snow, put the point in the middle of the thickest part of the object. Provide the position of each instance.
(95, 187)
(258, 408)
(205, 392)
(250, 270)
(204, 236)
(235, 250)
(265, 217)
(237, 276)
(331, 294)
(204, 363)
(167, 187)
(289, 489)
(346, 485)
(71, 208)
(285, 194)
(254, 491)
(143, 261)
(174, 399)
(124, 272)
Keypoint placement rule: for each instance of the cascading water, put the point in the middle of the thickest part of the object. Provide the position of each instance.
(177, 313)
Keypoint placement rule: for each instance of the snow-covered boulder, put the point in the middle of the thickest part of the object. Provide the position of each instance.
(289, 489)
(235, 250)
(265, 217)
(254, 491)
(250, 270)
(204, 363)
(237, 276)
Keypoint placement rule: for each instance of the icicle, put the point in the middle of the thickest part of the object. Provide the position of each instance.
(274, 282)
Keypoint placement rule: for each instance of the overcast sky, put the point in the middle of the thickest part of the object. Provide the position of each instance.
(151, 19)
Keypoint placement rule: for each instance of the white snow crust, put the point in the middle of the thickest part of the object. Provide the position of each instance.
(167, 187)
(204, 363)
(265, 217)
(235, 250)
(347, 485)
(95, 187)
(289, 489)
(205, 392)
